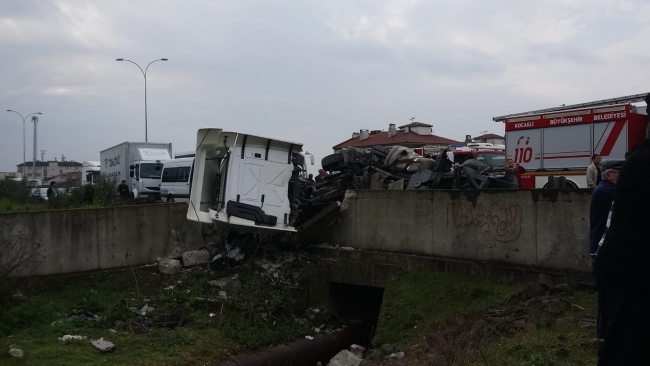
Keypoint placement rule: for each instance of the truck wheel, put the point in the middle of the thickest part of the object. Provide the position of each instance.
(332, 162)
(475, 164)
(170, 198)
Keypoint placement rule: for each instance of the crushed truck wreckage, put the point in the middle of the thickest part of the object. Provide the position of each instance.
(378, 167)
(259, 184)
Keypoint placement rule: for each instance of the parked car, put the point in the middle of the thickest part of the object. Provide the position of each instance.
(39, 194)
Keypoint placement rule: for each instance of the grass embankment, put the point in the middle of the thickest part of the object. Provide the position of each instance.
(9, 206)
(267, 310)
(443, 319)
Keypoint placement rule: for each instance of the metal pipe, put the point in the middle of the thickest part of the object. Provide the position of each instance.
(305, 352)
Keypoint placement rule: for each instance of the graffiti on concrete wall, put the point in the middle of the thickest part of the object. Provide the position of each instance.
(500, 222)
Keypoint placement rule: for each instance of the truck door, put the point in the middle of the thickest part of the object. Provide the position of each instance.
(567, 147)
(610, 139)
(524, 148)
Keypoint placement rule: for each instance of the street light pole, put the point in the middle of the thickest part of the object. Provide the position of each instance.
(24, 119)
(144, 73)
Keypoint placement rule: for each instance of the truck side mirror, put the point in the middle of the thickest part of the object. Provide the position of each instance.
(131, 174)
(132, 166)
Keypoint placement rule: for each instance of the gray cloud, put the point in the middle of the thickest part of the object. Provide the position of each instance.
(305, 71)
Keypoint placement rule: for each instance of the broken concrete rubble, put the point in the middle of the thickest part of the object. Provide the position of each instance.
(196, 257)
(169, 266)
(345, 358)
(229, 283)
(103, 345)
(357, 350)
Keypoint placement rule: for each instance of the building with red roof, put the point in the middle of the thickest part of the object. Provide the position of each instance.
(413, 135)
(490, 138)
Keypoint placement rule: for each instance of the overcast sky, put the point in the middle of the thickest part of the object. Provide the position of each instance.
(307, 71)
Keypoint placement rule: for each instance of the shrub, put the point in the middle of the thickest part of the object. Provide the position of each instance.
(15, 190)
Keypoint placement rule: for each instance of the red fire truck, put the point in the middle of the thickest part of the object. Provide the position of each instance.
(560, 141)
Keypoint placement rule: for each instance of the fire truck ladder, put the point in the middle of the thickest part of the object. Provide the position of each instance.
(621, 100)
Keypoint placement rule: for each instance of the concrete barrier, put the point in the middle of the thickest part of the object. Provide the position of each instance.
(79, 240)
(537, 228)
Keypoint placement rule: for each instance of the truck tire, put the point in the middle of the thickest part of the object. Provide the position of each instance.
(475, 164)
(170, 198)
(332, 162)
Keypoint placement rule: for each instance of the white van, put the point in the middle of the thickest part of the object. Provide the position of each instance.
(175, 181)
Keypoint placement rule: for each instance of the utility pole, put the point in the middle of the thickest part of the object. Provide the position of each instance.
(144, 73)
(35, 121)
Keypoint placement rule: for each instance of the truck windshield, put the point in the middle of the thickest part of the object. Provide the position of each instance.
(150, 170)
(492, 159)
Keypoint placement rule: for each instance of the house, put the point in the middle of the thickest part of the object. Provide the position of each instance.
(413, 135)
(47, 169)
(8, 175)
(490, 138)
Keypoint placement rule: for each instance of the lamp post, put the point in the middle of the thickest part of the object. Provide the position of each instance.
(144, 73)
(24, 119)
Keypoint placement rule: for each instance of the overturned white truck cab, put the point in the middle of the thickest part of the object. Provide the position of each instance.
(250, 182)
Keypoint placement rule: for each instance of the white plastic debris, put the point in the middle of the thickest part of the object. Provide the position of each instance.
(16, 352)
(144, 311)
(102, 345)
(309, 338)
(228, 283)
(212, 315)
(169, 288)
(397, 355)
(68, 337)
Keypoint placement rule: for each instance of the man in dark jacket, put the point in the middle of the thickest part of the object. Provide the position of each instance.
(123, 190)
(622, 264)
(52, 191)
(601, 202)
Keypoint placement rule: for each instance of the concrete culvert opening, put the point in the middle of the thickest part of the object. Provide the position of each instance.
(358, 306)
(355, 306)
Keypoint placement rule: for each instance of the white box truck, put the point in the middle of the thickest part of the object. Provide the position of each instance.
(139, 163)
(89, 172)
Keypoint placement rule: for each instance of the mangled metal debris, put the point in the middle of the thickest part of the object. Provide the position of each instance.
(256, 184)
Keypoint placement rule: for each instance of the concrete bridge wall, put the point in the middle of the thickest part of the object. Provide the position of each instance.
(546, 229)
(66, 241)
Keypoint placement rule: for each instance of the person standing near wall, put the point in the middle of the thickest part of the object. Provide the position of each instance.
(601, 203)
(52, 191)
(622, 265)
(593, 171)
(123, 190)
